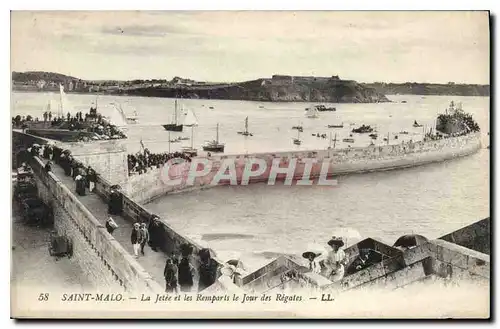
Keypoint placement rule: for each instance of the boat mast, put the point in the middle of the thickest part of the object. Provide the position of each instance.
(168, 141)
(335, 140)
(61, 90)
(192, 136)
(175, 113)
(246, 125)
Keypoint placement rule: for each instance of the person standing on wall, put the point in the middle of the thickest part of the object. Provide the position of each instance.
(135, 239)
(145, 237)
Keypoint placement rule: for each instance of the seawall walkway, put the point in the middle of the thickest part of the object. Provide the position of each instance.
(153, 262)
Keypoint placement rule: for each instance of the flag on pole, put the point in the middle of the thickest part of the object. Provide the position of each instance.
(142, 145)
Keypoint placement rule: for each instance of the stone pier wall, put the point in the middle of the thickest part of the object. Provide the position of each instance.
(101, 257)
(158, 181)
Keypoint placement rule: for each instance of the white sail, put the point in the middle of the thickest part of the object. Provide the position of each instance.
(190, 119)
(65, 106)
(128, 110)
(312, 112)
(114, 114)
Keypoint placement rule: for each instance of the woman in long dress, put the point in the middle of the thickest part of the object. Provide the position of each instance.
(336, 260)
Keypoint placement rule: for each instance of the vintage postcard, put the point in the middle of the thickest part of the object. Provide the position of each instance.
(250, 164)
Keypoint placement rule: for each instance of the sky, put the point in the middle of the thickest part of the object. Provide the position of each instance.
(236, 46)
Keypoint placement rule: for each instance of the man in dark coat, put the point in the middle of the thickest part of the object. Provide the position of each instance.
(207, 271)
(154, 230)
(171, 273)
(186, 270)
(92, 178)
(361, 262)
(48, 166)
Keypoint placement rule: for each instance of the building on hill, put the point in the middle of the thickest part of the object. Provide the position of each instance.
(304, 79)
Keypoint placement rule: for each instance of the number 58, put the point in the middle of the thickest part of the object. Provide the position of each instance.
(43, 297)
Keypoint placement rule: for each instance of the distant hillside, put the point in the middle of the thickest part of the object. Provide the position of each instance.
(279, 88)
(273, 90)
(25, 77)
(413, 88)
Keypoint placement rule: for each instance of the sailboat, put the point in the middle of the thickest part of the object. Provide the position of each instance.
(127, 118)
(64, 105)
(297, 140)
(312, 112)
(416, 124)
(190, 121)
(174, 126)
(214, 146)
(246, 132)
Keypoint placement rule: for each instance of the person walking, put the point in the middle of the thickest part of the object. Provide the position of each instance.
(171, 273)
(135, 239)
(92, 178)
(207, 270)
(154, 233)
(145, 237)
(186, 270)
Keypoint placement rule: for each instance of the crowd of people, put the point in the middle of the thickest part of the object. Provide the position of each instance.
(179, 273)
(84, 176)
(139, 163)
(91, 122)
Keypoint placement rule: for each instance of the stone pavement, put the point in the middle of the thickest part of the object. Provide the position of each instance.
(152, 262)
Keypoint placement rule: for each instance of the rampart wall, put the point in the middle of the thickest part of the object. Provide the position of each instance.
(159, 181)
(102, 258)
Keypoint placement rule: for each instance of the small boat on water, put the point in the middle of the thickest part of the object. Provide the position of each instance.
(174, 125)
(403, 132)
(363, 129)
(214, 146)
(190, 121)
(245, 132)
(323, 108)
(211, 107)
(373, 136)
(348, 140)
(312, 113)
(299, 127)
(403, 102)
(417, 125)
(189, 151)
(297, 140)
(336, 126)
